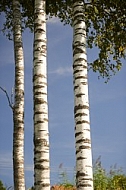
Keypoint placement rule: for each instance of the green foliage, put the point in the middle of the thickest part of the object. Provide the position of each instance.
(107, 33)
(57, 8)
(2, 186)
(64, 179)
(115, 179)
(105, 25)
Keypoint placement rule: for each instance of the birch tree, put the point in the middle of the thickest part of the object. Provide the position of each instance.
(84, 176)
(18, 109)
(105, 28)
(41, 133)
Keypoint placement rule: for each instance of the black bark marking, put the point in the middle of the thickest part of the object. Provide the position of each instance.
(78, 174)
(83, 83)
(79, 17)
(40, 112)
(39, 30)
(39, 93)
(84, 147)
(81, 158)
(82, 121)
(77, 134)
(78, 43)
(42, 160)
(42, 121)
(36, 76)
(40, 183)
(80, 114)
(77, 50)
(84, 185)
(77, 151)
(39, 101)
(39, 152)
(83, 178)
(78, 70)
(80, 65)
(84, 141)
(80, 107)
(80, 77)
(79, 95)
(40, 167)
(40, 142)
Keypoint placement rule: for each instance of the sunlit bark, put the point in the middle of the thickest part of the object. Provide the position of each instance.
(41, 134)
(84, 179)
(18, 109)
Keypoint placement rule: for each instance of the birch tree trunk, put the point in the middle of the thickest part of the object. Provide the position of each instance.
(41, 134)
(84, 177)
(18, 110)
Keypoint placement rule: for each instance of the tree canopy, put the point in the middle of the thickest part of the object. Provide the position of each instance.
(105, 22)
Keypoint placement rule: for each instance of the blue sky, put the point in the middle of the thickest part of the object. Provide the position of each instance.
(107, 108)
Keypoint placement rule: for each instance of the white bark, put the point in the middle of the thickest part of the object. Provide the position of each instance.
(41, 134)
(18, 110)
(84, 177)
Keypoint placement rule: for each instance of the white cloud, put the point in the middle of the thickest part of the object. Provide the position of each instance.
(29, 167)
(62, 71)
(6, 162)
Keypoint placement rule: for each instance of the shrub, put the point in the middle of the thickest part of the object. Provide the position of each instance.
(115, 179)
(2, 186)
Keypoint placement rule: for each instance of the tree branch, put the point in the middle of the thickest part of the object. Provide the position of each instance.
(10, 104)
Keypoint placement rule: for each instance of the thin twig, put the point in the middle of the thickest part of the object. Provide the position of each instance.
(11, 106)
(12, 95)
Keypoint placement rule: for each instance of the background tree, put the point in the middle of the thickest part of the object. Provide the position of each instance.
(105, 26)
(18, 105)
(41, 133)
(105, 29)
(18, 108)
